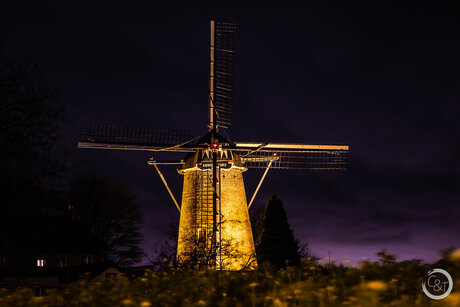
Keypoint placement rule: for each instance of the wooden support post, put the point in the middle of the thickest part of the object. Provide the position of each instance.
(166, 185)
(260, 183)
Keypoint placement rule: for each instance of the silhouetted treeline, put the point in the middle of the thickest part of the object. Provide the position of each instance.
(31, 169)
(30, 119)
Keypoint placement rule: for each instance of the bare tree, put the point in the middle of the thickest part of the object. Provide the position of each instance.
(201, 253)
(204, 254)
(112, 214)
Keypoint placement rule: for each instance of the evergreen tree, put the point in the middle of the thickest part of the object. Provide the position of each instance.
(277, 244)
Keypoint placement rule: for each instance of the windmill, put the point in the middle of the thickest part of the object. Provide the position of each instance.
(214, 208)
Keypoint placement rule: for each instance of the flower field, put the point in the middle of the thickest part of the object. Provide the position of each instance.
(370, 284)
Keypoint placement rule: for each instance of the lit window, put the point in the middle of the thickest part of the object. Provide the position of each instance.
(41, 261)
(88, 259)
(63, 262)
(201, 235)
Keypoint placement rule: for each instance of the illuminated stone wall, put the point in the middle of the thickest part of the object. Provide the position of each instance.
(236, 225)
(188, 206)
(237, 240)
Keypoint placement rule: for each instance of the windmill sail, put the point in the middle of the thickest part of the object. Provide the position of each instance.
(104, 136)
(221, 74)
(293, 156)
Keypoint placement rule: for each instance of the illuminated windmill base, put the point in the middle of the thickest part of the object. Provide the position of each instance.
(222, 240)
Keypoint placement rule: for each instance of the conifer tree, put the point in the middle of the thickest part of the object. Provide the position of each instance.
(277, 244)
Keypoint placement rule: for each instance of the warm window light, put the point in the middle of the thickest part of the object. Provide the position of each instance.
(41, 262)
(88, 259)
(201, 235)
(62, 263)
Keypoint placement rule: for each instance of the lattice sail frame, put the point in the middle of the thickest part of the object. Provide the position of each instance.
(106, 136)
(222, 38)
(302, 160)
(293, 156)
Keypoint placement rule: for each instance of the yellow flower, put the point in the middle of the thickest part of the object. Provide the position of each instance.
(377, 285)
(455, 255)
(146, 304)
(453, 299)
(277, 303)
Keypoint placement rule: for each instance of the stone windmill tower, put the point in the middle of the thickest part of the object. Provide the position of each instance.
(214, 227)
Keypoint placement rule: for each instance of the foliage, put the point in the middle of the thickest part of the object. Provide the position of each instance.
(199, 254)
(386, 259)
(111, 213)
(164, 252)
(204, 255)
(277, 244)
(373, 284)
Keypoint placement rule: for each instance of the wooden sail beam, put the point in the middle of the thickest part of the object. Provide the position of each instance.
(94, 145)
(289, 146)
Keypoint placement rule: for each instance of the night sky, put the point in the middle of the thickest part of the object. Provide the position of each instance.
(384, 79)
